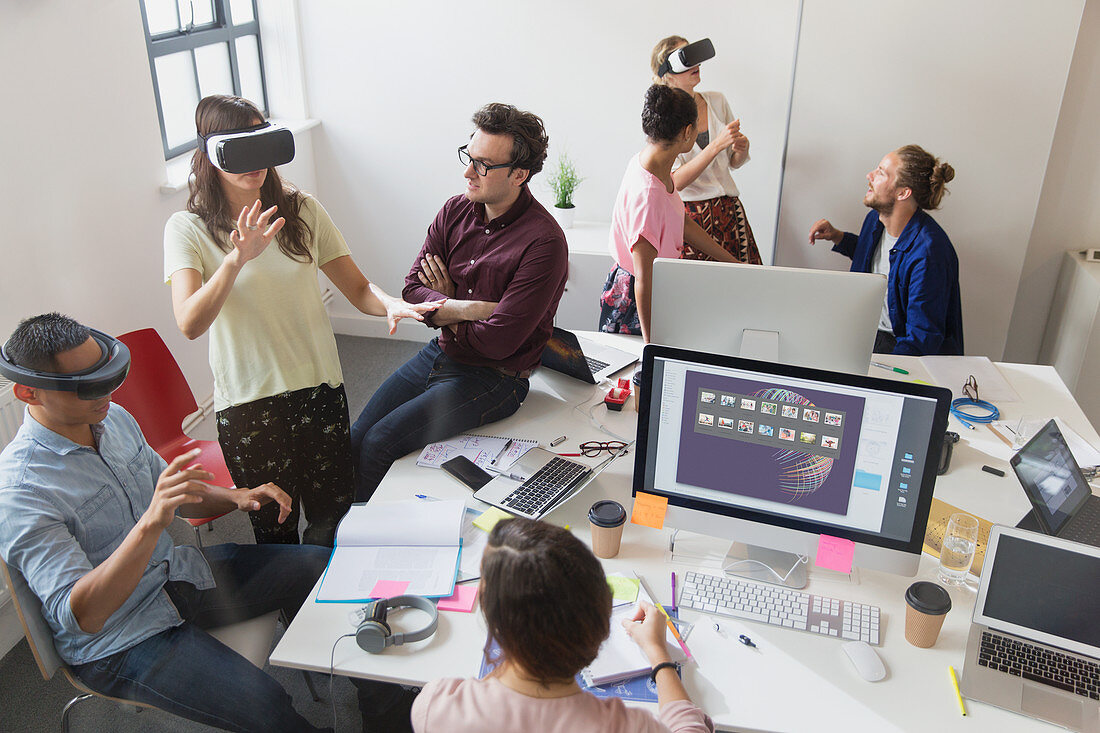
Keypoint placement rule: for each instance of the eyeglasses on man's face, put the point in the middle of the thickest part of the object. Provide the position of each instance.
(480, 167)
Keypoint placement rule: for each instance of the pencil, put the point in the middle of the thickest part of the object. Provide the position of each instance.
(958, 695)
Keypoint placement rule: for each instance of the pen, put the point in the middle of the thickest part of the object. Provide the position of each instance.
(889, 368)
(502, 452)
(958, 695)
(674, 592)
(746, 641)
(668, 619)
(556, 441)
(425, 497)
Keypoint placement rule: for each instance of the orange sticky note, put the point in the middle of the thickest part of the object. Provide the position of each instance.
(834, 553)
(649, 510)
(389, 588)
(463, 599)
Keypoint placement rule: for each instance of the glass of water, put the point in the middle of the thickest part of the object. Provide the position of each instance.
(957, 553)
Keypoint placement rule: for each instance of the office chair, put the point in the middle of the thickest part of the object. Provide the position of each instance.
(157, 395)
(251, 639)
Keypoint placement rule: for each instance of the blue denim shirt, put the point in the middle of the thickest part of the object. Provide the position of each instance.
(922, 290)
(64, 508)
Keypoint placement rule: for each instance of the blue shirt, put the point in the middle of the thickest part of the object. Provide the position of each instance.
(64, 508)
(922, 290)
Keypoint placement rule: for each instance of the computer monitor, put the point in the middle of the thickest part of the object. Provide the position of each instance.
(815, 318)
(774, 456)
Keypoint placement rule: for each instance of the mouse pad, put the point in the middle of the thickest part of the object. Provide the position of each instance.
(938, 515)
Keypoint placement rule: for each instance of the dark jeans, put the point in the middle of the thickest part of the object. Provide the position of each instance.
(185, 671)
(885, 342)
(430, 398)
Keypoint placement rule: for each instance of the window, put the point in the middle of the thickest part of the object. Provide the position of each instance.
(198, 48)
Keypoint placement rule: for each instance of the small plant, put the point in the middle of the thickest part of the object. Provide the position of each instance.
(563, 181)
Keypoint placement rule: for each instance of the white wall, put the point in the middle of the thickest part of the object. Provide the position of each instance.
(976, 83)
(395, 85)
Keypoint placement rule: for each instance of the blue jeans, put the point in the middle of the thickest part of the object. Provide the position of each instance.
(187, 672)
(430, 398)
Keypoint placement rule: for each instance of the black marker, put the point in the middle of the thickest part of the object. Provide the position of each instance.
(994, 471)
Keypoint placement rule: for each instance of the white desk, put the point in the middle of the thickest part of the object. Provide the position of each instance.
(795, 680)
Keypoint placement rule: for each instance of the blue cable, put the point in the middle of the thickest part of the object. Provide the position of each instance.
(992, 413)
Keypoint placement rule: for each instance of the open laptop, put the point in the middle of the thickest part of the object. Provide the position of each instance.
(1062, 502)
(541, 481)
(582, 359)
(1034, 645)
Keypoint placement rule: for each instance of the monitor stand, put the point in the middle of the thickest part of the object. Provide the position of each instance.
(760, 345)
(766, 565)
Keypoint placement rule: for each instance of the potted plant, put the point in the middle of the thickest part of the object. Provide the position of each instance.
(563, 181)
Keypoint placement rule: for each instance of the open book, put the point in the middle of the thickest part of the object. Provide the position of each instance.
(415, 542)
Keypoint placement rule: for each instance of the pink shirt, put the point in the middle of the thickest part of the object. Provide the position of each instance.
(645, 208)
(475, 706)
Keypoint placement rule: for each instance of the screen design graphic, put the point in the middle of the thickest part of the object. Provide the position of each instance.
(749, 438)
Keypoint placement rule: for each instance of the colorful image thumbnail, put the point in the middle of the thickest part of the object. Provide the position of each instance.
(808, 438)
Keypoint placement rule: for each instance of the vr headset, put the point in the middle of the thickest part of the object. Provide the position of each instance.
(248, 149)
(93, 383)
(686, 57)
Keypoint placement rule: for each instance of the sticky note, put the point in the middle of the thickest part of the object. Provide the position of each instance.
(462, 600)
(623, 590)
(489, 519)
(389, 588)
(834, 553)
(649, 510)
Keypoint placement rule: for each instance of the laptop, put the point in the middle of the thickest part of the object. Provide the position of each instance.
(582, 359)
(1034, 645)
(541, 481)
(1062, 502)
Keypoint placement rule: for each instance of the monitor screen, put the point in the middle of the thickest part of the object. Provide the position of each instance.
(793, 448)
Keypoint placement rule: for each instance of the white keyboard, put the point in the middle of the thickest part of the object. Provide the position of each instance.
(772, 604)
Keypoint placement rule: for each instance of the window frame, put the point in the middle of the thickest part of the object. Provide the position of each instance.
(221, 30)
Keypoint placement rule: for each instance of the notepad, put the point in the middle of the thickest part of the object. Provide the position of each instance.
(481, 449)
(414, 542)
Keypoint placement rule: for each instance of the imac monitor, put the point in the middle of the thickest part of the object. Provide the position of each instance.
(774, 456)
(816, 318)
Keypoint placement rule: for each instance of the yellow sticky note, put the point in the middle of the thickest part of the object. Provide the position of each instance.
(623, 589)
(489, 519)
(649, 510)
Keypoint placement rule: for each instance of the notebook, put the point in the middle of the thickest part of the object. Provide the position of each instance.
(414, 542)
(1034, 644)
(482, 450)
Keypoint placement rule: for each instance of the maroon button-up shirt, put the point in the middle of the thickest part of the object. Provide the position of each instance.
(519, 259)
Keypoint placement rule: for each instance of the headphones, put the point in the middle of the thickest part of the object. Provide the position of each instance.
(93, 383)
(374, 634)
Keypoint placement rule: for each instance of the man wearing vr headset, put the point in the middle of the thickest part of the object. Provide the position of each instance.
(501, 260)
(84, 502)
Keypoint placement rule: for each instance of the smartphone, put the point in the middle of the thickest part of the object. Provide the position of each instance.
(466, 471)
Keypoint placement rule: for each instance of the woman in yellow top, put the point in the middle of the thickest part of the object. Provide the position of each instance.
(278, 389)
(703, 174)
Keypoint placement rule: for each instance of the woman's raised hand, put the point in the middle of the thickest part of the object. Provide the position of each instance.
(254, 232)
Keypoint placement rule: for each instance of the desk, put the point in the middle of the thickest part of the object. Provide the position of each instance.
(795, 681)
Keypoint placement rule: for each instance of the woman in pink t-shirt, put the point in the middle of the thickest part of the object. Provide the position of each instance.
(547, 605)
(649, 220)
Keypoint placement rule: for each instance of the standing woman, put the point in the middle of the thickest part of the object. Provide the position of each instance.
(702, 174)
(278, 388)
(649, 219)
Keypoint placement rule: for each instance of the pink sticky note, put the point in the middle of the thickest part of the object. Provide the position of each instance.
(463, 599)
(834, 553)
(389, 588)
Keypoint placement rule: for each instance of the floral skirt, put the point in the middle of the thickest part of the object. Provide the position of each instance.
(618, 311)
(724, 219)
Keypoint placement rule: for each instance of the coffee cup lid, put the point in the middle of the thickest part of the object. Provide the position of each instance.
(607, 513)
(928, 598)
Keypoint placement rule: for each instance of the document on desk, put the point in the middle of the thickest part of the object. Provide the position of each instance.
(414, 541)
(953, 372)
(482, 450)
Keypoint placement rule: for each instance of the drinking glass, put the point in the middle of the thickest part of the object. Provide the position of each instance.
(957, 553)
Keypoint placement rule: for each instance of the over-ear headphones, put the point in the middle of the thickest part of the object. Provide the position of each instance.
(374, 634)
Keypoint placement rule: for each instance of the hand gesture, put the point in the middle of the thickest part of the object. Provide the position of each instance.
(433, 274)
(648, 628)
(396, 309)
(253, 233)
(824, 230)
(740, 142)
(249, 500)
(175, 487)
(724, 136)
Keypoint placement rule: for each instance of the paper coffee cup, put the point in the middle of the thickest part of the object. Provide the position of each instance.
(926, 606)
(636, 385)
(606, 519)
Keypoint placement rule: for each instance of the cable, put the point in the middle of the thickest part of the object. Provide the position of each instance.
(332, 673)
(992, 413)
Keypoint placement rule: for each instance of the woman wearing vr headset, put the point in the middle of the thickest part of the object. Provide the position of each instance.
(278, 388)
(703, 173)
(547, 605)
(649, 220)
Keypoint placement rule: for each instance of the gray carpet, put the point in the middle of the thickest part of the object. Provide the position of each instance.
(27, 703)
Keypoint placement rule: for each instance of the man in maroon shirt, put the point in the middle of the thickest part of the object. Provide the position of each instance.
(501, 261)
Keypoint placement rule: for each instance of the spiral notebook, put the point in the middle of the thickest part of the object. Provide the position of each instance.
(482, 450)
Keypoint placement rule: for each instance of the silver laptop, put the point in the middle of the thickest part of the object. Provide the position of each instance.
(583, 359)
(540, 482)
(1034, 645)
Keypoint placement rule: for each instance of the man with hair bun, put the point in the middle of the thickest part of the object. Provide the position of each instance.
(922, 313)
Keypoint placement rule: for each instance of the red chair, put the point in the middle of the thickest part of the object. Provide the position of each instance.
(157, 395)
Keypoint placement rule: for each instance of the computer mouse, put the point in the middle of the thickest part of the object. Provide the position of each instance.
(865, 659)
